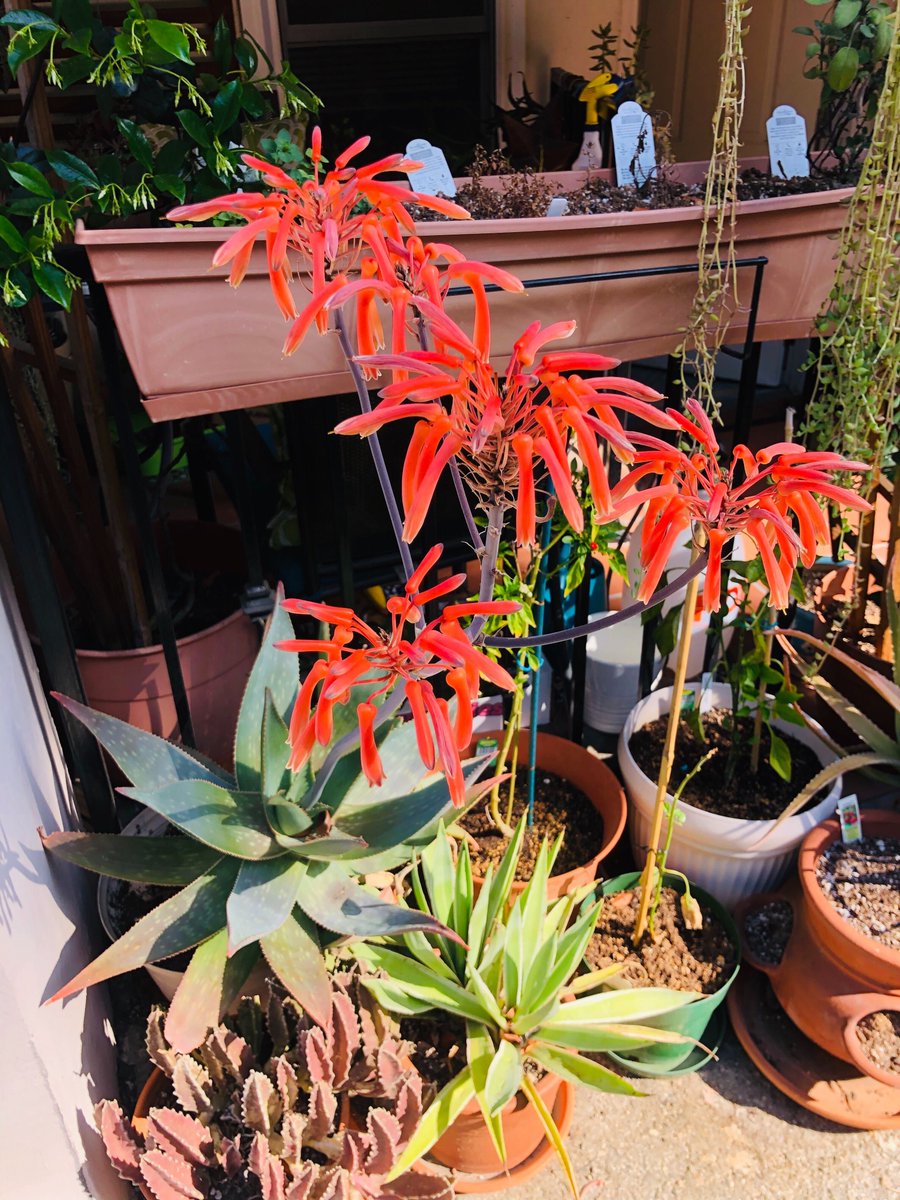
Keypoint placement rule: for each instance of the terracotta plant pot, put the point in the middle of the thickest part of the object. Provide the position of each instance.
(693, 1019)
(830, 974)
(134, 686)
(196, 346)
(591, 776)
(467, 1145)
(730, 858)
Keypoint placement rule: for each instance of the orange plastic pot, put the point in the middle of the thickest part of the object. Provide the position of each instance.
(467, 1145)
(591, 776)
(831, 975)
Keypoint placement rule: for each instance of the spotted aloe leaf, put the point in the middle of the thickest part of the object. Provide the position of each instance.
(232, 822)
(274, 674)
(147, 760)
(262, 899)
(195, 1005)
(188, 918)
(331, 898)
(168, 861)
(293, 953)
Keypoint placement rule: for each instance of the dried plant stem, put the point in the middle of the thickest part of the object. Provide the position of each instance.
(665, 771)
(758, 716)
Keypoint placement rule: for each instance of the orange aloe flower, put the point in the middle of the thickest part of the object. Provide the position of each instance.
(503, 427)
(762, 495)
(356, 654)
(319, 220)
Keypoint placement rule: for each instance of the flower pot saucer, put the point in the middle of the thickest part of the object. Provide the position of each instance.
(811, 1077)
(563, 1111)
(698, 1057)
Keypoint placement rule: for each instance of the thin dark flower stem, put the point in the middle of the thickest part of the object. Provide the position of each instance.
(577, 631)
(375, 446)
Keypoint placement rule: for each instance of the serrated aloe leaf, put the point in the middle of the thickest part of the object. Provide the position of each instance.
(504, 1076)
(293, 953)
(232, 822)
(186, 919)
(331, 898)
(274, 750)
(423, 984)
(580, 1070)
(479, 1055)
(237, 972)
(261, 900)
(440, 1115)
(147, 760)
(276, 672)
(286, 820)
(168, 861)
(633, 1004)
(197, 1001)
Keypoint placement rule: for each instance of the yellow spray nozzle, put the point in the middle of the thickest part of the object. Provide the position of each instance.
(597, 93)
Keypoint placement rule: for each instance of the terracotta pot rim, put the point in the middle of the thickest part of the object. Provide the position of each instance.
(156, 649)
(814, 844)
(870, 1004)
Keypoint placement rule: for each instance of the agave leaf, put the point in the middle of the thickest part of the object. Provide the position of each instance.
(633, 1004)
(447, 1105)
(599, 1039)
(187, 918)
(479, 1055)
(486, 996)
(478, 920)
(505, 876)
(538, 972)
(261, 900)
(461, 912)
(197, 1001)
(274, 751)
(885, 688)
(149, 761)
(419, 947)
(570, 952)
(395, 998)
(851, 762)
(275, 672)
(331, 898)
(593, 979)
(233, 823)
(423, 984)
(514, 956)
(552, 1132)
(580, 1070)
(167, 861)
(439, 876)
(533, 904)
(292, 951)
(504, 1077)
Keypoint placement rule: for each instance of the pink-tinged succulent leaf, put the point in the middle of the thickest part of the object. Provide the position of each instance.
(195, 1006)
(292, 951)
(384, 1132)
(286, 1082)
(391, 1071)
(192, 1087)
(345, 1036)
(230, 1158)
(301, 1186)
(227, 1055)
(292, 1132)
(121, 1142)
(317, 1058)
(408, 1109)
(180, 1135)
(168, 861)
(333, 1185)
(267, 1168)
(417, 1186)
(322, 1111)
(158, 1049)
(353, 1150)
(170, 1178)
(260, 1105)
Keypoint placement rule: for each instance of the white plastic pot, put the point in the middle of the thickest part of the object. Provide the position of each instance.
(612, 671)
(145, 824)
(730, 858)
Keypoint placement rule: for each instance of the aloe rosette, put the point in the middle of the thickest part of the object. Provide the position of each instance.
(512, 978)
(264, 860)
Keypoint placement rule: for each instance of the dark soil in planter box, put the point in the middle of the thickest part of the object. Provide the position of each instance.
(862, 882)
(767, 929)
(689, 960)
(558, 808)
(879, 1037)
(754, 184)
(599, 196)
(762, 797)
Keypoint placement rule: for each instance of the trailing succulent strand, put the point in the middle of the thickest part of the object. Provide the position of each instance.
(267, 1095)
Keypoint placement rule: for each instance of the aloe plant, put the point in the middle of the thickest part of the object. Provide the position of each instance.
(264, 860)
(259, 1105)
(510, 976)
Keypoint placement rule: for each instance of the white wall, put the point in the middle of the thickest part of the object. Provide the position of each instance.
(57, 1061)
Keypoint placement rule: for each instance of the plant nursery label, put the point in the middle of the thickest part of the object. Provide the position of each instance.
(786, 131)
(558, 207)
(433, 177)
(632, 132)
(848, 815)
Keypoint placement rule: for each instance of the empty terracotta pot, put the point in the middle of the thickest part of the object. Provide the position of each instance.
(831, 975)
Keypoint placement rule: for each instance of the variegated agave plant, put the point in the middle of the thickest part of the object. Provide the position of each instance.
(259, 1105)
(270, 859)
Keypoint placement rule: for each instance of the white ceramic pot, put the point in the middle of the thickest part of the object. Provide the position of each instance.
(145, 824)
(730, 858)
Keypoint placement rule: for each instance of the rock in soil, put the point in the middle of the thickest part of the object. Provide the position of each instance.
(767, 929)
(558, 808)
(760, 797)
(862, 882)
(879, 1037)
(690, 960)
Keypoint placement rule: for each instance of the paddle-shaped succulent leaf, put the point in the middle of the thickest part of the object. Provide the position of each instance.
(270, 1121)
(509, 975)
(267, 862)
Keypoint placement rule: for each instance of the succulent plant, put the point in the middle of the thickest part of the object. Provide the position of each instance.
(259, 1104)
(270, 859)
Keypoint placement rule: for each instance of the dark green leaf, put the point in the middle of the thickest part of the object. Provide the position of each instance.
(74, 70)
(226, 106)
(11, 236)
(262, 899)
(195, 127)
(171, 156)
(137, 142)
(171, 39)
(31, 178)
(20, 17)
(74, 14)
(71, 169)
(172, 185)
(246, 55)
(222, 45)
(252, 102)
(23, 49)
(779, 755)
(167, 861)
(53, 282)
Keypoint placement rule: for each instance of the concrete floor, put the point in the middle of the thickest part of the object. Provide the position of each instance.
(722, 1134)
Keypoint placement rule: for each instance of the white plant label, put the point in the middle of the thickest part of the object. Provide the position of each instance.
(786, 131)
(632, 132)
(558, 207)
(433, 178)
